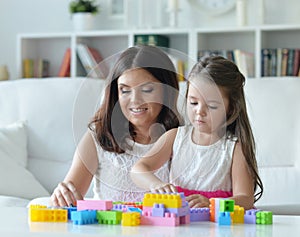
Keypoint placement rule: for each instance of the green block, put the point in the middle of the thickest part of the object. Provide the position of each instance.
(226, 205)
(109, 217)
(264, 218)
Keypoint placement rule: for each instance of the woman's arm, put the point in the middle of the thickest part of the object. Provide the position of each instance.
(79, 177)
(142, 172)
(242, 182)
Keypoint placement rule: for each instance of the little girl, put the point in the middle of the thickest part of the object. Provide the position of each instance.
(216, 151)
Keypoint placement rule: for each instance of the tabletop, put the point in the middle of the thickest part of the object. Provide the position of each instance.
(14, 222)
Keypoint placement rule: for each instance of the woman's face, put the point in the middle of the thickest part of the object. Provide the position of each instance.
(140, 97)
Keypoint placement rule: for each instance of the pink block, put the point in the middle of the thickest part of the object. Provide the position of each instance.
(184, 220)
(169, 219)
(99, 205)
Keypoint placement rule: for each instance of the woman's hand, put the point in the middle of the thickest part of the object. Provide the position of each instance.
(65, 194)
(197, 200)
(164, 188)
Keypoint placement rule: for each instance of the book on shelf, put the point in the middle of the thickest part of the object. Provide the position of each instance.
(296, 62)
(279, 59)
(180, 66)
(155, 40)
(65, 67)
(90, 59)
(38, 68)
(28, 68)
(290, 62)
(243, 59)
(280, 62)
(284, 61)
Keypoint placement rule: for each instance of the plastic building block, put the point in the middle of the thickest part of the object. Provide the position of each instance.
(226, 205)
(237, 216)
(264, 217)
(119, 207)
(169, 200)
(94, 205)
(214, 209)
(83, 217)
(182, 211)
(224, 218)
(158, 210)
(70, 210)
(250, 216)
(170, 219)
(183, 220)
(131, 218)
(47, 215)
(200, 214)
(37, 206)
(134, 209)
(109, 217)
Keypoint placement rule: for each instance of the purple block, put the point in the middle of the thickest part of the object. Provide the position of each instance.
(250, 216)
(199, 214)
(158, 210)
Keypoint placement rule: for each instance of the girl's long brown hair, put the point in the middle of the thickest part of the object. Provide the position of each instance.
(225, 73)
(109, 123)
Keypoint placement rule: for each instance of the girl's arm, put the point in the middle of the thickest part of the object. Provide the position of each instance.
(142, 172)
(242, 181)
(79, 177)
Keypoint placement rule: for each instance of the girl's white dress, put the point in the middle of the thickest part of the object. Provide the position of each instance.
(112, 179)
(202, 168)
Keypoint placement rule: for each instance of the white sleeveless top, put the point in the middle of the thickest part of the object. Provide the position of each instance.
(202, 168)
(112, 179)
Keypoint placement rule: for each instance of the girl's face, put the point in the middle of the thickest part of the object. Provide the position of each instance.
(207, 105)
(140, 97)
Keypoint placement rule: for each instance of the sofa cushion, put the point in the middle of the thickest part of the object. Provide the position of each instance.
(13, 142)
(57, 111)
(16, 180)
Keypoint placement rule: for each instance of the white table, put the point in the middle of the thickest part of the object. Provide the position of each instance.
(14, 222)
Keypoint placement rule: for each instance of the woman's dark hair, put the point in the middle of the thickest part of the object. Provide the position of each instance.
(225, 74)
(109, 123)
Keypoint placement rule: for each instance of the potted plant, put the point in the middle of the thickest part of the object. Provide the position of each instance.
(83, 14)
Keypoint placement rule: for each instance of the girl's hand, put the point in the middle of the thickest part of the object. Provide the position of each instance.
(165, 188)
(197, 200)
(65, 195)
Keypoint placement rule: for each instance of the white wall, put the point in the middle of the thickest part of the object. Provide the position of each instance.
(28, 16)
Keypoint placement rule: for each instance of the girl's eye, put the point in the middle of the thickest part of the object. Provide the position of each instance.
(193, 103)
(212, 107)
(147, 90)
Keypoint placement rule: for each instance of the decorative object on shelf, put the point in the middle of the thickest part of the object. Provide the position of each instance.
(214, 7)
(4, 75)
(173, 9)
(83, 14)
(117, 8)
(241, 12)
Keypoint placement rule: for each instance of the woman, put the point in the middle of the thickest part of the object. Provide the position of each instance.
(139, 105)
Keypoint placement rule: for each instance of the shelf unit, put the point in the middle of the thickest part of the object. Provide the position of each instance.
(184, 42)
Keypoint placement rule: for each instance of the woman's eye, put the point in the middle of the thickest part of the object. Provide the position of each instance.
(125, 91)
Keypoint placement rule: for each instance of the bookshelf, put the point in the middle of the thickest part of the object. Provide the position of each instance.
(185, 42)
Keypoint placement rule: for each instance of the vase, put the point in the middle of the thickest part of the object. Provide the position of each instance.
(4, 75)
(83, 21)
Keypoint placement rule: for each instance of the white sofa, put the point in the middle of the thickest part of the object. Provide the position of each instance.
(56, 112)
